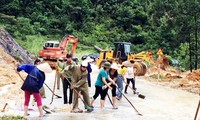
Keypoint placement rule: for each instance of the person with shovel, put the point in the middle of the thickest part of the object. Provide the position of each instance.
(113, 75)
(100, 82)
(79, 84)
(32, 84)
(42, 90)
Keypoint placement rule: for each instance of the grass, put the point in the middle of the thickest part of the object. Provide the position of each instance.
(12, 118)
(32, 43)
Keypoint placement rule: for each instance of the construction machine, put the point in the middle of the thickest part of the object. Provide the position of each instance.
(53, 50)
(122, 53)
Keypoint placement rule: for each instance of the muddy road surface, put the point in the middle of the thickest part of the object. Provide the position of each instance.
(160, 103)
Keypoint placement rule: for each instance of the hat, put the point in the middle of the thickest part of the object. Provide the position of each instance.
(84, 63)
(88, 59)
(114, 66)
(127, 64)
(44, 67)
(107, 65)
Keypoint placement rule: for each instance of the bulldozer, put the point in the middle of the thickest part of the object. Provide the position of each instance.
(122, 53)
(53, 50)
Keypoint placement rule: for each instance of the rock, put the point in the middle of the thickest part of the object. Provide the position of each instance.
(12, 48)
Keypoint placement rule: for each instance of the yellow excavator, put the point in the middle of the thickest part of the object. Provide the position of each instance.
(122, 53)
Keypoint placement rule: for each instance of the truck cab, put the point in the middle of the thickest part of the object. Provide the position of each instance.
(51, 44)
(121, 50)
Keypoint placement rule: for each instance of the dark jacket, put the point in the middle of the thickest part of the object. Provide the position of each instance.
(89, 69)
(34, 80)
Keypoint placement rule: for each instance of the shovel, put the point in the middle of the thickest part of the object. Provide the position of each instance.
(54, 86)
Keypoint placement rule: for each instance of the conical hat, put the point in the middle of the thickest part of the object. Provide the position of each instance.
(127, 64)
(44, 67)
(88, 59)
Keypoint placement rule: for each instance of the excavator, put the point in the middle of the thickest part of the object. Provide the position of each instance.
(53, 50)
(122, 53)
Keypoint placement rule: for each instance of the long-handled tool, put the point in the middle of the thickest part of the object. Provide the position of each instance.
(52, 91)
(86, 105)
(139, 95)
(195, 118)
(3, 110)
(54, 86)
(129, 101)
(45, 109)
(44, 83)
(110, 99)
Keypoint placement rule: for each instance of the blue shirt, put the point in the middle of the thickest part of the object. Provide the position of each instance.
(28, 68)
(102, 74)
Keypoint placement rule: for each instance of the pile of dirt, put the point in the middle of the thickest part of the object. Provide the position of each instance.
(10, 87)
(189, 81)
(10, 81)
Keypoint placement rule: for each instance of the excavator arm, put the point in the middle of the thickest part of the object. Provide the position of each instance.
(69, 39)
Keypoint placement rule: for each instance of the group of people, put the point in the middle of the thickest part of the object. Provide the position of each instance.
(112, 76)
(76, 79)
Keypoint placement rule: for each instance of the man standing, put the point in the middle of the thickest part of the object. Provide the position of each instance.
(67, 78)
(59, 67)
(80, 85)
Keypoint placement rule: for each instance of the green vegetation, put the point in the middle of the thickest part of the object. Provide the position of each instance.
(172, 25)
(12, 118)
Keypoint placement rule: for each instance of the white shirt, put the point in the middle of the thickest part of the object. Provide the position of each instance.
(130, 72)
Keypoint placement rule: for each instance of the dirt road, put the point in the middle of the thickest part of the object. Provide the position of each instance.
(161, 103)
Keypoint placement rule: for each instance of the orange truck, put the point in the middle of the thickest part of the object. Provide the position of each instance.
(53, 50)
